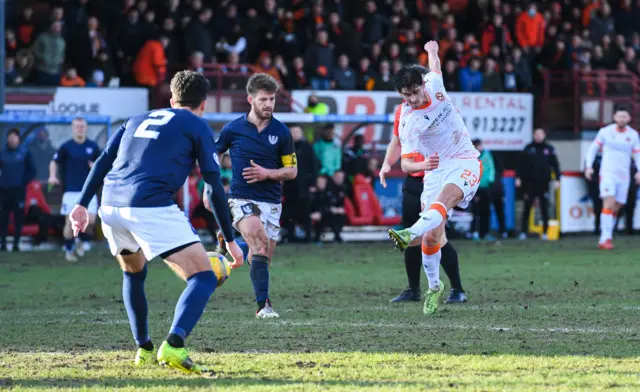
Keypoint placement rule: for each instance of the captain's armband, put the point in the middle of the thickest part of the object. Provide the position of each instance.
(289, 160)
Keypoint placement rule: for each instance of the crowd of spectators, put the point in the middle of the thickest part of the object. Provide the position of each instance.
(485, 45)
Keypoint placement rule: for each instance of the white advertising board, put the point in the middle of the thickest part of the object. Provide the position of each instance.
(503, 121)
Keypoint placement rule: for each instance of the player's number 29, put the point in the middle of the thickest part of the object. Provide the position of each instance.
(159, 117)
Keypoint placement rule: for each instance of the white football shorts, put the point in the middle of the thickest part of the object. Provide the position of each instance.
(269, 214)
(463, 173)
(155, 230)
(612, 185)
(70, 199)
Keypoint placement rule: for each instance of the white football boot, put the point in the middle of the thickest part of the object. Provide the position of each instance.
(267, 312)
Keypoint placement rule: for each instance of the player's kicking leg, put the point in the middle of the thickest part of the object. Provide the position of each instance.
(222, 246)
(430, 219)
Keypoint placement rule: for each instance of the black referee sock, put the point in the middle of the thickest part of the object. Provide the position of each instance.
(413, 264)
(449, 263)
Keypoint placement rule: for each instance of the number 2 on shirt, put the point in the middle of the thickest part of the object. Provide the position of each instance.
(160, 117)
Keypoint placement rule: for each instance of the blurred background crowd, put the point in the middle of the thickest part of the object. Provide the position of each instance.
(485, 45)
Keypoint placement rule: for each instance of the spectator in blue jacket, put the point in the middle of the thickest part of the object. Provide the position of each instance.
(471, 77)
(16, 171)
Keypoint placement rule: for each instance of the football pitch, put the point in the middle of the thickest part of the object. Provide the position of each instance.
(554, 316)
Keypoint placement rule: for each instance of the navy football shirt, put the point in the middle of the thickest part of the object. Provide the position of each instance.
(73, 160)
(272, 148)
(155, 152)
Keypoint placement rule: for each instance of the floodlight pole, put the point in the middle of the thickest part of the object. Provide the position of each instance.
(3, 23)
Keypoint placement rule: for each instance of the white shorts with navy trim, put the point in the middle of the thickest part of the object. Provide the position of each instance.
(155, 230)
(269, 214)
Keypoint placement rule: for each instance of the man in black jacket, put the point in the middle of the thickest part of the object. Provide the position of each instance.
(298, 192)
(537, 162)
(328, 206)
(16, 171)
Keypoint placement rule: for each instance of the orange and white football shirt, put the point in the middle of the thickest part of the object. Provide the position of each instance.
(435, 127)
(618, 146)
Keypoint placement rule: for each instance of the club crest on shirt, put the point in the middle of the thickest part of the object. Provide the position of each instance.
(439, 96)
(273, 139)
(89, 150)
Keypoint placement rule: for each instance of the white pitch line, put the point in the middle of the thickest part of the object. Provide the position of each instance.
(359, 325)
(387, 308)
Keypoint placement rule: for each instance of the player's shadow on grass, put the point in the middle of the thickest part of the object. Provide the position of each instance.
(196, 382)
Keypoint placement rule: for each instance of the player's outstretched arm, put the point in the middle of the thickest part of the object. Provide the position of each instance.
(431, 48)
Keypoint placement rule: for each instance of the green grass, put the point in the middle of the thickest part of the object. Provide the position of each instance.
(542, 316)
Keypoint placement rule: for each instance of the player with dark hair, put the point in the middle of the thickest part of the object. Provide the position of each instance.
(434, 140)
(262, 155)
(142, 166)
(411, 209)
(73, 160)
(619, 143)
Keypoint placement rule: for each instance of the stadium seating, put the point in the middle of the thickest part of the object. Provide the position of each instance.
(34, 197)
(365, 208)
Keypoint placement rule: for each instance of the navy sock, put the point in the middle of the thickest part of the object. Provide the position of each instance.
(135, 301)
(68, 244)
(85, 237)
(260, 278)
(243, 245)
(191, 305)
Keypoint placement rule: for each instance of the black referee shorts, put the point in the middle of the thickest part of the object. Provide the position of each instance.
(411, 206)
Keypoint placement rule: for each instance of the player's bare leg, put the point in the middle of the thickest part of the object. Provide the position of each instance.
(431, 263)
(253, 232)
(134, 273)
(430, 219)
(192, 265)
(608, 215)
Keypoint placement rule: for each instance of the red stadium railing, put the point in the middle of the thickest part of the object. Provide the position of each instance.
(228, 84)
(228, 90)
(586, 100)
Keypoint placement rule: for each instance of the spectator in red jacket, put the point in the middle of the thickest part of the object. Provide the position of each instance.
(530, 28)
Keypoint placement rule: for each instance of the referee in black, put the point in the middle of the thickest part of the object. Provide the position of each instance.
(411, 209)
(16, 171)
